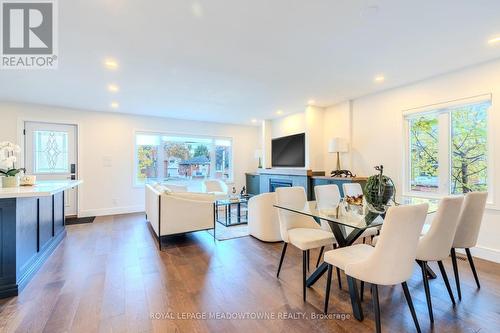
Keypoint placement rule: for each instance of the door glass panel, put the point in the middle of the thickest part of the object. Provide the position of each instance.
(51, 152)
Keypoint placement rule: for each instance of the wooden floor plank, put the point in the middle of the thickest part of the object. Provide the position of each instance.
(109, 276)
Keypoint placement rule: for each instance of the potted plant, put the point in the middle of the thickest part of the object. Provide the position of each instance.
(379, 190)
(8, 160)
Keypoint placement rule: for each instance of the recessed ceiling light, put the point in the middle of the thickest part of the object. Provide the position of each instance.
(197, 9)
(113, 88)
(495, 40)
(115, 105)
(111, 64)
(279, 112)
(254, 120)
(379, 78)
(311, 102)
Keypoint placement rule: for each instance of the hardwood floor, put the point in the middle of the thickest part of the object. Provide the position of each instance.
(108, 276)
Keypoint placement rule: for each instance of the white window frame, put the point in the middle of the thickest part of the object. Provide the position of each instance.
(443, 110)
(213, 139)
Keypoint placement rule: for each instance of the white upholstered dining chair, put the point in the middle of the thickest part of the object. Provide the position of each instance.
(355, 190)
(467, 232)
(299, 230)
(327, 197)
(435, 245)
(352, 189)
(390, 262)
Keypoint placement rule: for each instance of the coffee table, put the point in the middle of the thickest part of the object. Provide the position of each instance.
(228, 204)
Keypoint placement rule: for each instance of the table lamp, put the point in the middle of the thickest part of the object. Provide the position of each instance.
(338, 145)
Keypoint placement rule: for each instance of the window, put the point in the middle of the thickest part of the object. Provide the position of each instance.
(448, 149)
(182, 160)
(424, 134)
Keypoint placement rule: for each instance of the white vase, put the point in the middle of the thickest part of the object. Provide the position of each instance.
(10, 182)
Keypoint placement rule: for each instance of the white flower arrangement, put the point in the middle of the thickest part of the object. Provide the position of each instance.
(8, 159)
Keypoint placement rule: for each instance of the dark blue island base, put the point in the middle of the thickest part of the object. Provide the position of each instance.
(30, 230)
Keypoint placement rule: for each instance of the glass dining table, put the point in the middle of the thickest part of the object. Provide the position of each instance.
(347, 226)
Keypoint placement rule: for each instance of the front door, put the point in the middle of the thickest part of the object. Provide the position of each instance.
(51, 154)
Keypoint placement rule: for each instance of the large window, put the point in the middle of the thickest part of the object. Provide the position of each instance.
(182, 160)
(448, 149)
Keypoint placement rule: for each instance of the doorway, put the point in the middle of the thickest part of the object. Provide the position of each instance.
(50, 152)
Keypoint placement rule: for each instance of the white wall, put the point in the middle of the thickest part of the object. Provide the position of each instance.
(288, 125)
(337, 124)
(314, 117)
(110, 190)
(377, 133)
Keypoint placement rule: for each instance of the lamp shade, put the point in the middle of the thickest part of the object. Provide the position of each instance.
(258, 153)
(338, 145)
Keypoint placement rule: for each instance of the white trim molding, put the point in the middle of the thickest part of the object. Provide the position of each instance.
(111, 211)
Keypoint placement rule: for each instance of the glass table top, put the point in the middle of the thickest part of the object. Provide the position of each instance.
(356, 216)
(230, 201)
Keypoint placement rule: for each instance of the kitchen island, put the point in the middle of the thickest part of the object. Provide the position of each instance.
(32, 224)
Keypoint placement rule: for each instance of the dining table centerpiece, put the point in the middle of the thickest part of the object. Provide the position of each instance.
(8, 159)
(379, 191)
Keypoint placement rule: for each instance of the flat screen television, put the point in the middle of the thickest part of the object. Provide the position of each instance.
(289, 151)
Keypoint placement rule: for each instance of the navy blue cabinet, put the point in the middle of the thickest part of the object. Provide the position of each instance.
(263, 182)
(30, 229)
(253, 183)
(8, 247)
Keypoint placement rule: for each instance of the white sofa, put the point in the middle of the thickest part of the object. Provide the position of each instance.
(171, 213)
(263, 222)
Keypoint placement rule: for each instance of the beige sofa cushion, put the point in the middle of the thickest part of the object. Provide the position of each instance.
(193, 196)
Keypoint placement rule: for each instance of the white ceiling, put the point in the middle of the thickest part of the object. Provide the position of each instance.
(234, 60)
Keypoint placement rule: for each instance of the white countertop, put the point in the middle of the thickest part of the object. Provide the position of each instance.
(42, 188)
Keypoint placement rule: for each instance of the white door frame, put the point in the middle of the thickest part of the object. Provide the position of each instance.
(20, 139)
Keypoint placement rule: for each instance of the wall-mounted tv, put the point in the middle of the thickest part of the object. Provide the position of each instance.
(289, 151)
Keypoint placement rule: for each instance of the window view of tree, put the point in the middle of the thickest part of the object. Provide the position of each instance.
(222, 159)
(181, 160)
(147, 162)
(424, 146)
(469, 149)
(201, 150)
(466, 166)
(177, 150)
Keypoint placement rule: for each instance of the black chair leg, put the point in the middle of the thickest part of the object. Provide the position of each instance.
(338, 278)
(423, 265)
(376, 307)
(410, 305)
(361, 290)
(328, 286)
(455, 271)
(319, 257)
(281, 259)
(354, 295)
(308, 252)
(446, 282)
(472, 267)
(304, 270)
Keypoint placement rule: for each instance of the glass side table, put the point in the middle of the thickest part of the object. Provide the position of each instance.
(241, 216)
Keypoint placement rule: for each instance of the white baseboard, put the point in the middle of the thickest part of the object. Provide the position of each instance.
(111, 211)
(485, 253)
